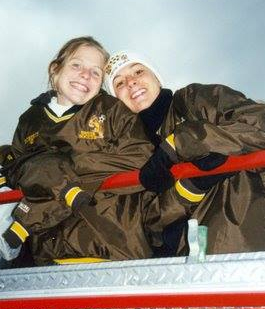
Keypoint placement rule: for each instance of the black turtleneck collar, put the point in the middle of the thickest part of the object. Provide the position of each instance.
(154, 115)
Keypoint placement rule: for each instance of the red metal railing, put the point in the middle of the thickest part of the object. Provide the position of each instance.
(177, 300)
(183, 170)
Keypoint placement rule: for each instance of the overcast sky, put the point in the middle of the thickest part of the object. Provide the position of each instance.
(206, 41)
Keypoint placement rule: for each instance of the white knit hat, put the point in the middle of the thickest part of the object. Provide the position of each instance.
(119, 60)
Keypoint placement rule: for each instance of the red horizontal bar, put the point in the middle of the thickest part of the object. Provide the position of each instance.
(246, 299)
(10, 196)
(181, 170)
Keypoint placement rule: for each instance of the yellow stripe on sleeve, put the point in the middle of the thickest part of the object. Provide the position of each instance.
(19, 230)
(2, 181)
(184, 192)
(71, 194)
(170, 140)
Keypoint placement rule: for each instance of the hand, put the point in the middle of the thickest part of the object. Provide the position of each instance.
(76, 198)
(207, 163)
(210, 161)
(82, 200)
(155, 175)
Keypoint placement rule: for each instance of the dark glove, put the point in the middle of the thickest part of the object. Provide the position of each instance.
(82, 200)
(210, 161)
(44, 98)
(155, 175)
(76, 198)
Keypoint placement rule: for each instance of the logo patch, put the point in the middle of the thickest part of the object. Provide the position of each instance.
(96, 126)
(180, 121)
(23, 207)
(31, 138)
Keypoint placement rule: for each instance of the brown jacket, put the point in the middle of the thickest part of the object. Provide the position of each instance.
(101, 138)
(216, 118)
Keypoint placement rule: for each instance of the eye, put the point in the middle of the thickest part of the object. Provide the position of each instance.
(119, 84)
(96, 72)
(76, 65)
(138, 72)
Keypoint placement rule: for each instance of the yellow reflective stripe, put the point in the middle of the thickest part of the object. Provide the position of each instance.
(57, 119)
(171, 142)
(80, 260)
(19, 230)
(71, 194)
(2, 180)
(184, 192)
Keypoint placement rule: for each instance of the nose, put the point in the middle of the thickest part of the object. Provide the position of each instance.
(131, 81)
(85, 73)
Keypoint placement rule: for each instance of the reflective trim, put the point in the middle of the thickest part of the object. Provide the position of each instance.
(55, 118)
(80, 260)
(170, 141)
(71, 194)
(2, 181)
(19, 230)
(184, 192)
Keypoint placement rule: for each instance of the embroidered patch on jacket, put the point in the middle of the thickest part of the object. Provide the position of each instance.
(9, 157)
(23, 207)
(180, 121)
(96, 126)
(31, 138)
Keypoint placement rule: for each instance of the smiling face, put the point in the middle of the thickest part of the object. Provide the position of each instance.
(136, 86)
(80, 77)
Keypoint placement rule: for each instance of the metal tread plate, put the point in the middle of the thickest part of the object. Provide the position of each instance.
(219, 273)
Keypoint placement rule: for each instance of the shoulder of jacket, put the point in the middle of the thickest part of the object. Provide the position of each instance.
(205, 90)
(30, 112)
(199, 86)
(112, 103)
(106, 99)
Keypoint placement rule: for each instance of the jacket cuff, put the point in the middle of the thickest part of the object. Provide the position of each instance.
(15, 235)
(188, 191)
(71, 194)
(168, 145)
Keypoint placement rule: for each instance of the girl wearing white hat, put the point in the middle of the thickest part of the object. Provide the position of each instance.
(203, 124)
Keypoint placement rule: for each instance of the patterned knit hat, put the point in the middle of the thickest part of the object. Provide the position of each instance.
(121, 59)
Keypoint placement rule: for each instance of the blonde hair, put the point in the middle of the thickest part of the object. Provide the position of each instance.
(68, 49)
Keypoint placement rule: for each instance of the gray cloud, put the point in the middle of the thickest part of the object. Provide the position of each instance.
(189, 41)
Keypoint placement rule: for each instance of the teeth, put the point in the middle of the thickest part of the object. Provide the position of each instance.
(79, 86)
(138, 93)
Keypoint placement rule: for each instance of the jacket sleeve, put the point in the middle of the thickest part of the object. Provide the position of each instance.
(18, 143)
(216, 118)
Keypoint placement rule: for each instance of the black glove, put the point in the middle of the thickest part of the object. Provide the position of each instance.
(44, 98)
(82, 200)
(155, 175)
(210, 161)
(207, 163)
(76, 198)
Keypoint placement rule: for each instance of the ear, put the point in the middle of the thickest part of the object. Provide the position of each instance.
(53, 68)
(53, 75)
